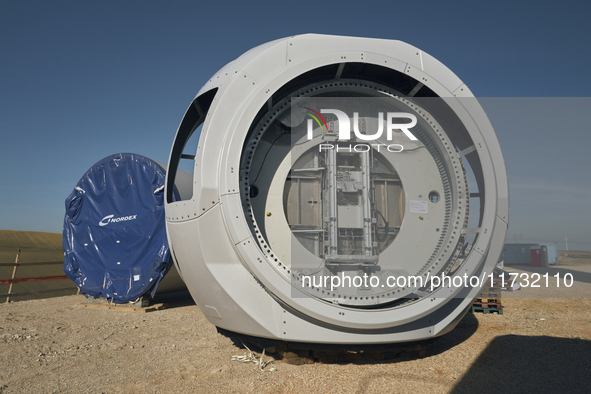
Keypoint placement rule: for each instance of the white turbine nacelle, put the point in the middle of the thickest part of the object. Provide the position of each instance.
(280, 210)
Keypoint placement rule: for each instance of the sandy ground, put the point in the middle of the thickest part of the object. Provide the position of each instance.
(54, 345)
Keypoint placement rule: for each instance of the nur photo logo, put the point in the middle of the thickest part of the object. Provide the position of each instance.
(349, 129)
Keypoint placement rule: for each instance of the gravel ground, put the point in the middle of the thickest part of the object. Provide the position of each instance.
(53, 345)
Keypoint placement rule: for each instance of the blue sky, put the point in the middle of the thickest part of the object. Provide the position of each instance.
(82, 80)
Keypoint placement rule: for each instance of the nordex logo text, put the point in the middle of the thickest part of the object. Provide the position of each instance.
(111, 219)
(392, 120)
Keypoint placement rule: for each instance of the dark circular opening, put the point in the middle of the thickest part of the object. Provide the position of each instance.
(434, 197)
(253, 191)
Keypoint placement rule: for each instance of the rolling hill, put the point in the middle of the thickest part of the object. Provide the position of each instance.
(30, 240)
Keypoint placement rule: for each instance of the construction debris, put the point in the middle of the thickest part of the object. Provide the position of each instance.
(251, 357)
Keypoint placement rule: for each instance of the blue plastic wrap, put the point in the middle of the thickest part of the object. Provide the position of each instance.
(114, 236)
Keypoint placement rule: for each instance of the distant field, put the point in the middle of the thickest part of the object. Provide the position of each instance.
(35, 247)
(30, 240)
(574, 257)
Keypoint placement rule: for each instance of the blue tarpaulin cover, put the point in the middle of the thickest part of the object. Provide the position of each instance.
(114, 237)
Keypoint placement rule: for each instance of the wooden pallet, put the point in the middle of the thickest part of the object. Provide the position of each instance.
(487, 300)
(487, 310)
(490, 295)
(128, 308)
(488, 305)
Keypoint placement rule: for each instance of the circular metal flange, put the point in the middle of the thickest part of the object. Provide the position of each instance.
(270, 141)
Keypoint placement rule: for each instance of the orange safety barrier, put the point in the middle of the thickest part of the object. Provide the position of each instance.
(13, 280)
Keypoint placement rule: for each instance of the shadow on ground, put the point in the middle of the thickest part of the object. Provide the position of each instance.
(175, 300)
(357, 354)
(524, 364)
